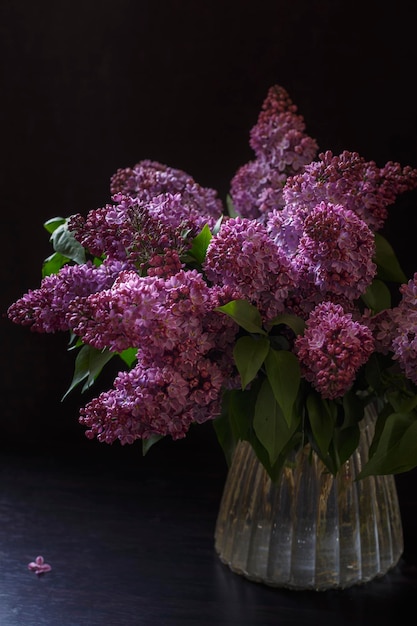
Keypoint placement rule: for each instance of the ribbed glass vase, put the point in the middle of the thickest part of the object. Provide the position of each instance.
(310, 530)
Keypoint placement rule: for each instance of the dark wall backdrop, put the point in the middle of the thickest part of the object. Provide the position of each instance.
(90, 86)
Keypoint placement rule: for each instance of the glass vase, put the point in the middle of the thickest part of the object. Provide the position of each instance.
(310, 530)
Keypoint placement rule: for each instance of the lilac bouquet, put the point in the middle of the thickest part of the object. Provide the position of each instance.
(271, 316)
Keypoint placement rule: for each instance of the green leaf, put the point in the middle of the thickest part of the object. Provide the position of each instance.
(322, 416)
(294, 322)
(245, 314)
(374, 371)
(396, 451)
(149, 442)
(236, 422)
(377, 297)
(344, 443)
(217, 225)
(129, 356)
(249, 354)
(53, 264)
(283, 372)
(241, 408)
(53, 223)
(88, 365)
(387, 262)
(269, 423)
(229, 206)
(65, 243)
(223, 427)
(408, 404)
(353, 410)
(200, 244)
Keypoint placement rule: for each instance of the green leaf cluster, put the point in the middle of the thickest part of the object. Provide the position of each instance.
(264, 412)
(89, 363)
(66, 247)
(278, 411)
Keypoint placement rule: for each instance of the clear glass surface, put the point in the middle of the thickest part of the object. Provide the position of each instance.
(310, 530)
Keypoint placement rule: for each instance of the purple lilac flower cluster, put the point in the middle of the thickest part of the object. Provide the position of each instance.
(149, 179)
(178, 379)
(403, 334)
(302, 243)
(141, 297)
(348, 179)
(45, 309)
(332, 349)
(330, 246)
(281, 147)
(244, 258)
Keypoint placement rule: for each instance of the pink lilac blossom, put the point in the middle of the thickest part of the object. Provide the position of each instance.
(159, 312)
(404, 318)
(281, 148)
(175, 211)
(278, 136)
(45, 309)
(156, 400)
(185, 357)
(382, 326)
(256, 189)
(303, 298)
(148, 179)
(335, 252)
(39, 566)
(154, 234)
(333, 348)
(359, 185)
(244, 257)
(286, 227)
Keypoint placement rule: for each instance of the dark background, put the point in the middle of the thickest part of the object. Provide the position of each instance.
(91, 86)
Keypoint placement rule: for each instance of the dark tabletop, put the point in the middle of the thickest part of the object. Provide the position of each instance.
(130, 542)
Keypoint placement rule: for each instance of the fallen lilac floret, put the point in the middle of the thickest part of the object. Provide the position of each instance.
(39, 566)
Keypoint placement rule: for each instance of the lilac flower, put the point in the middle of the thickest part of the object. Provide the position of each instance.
(39, 566)
(156, 400)
(140, 233)
(45, 309)
(149, 179)
(333, 348)
(281, 148)
(280, 140)
(256, 189)
(243, 257)
(161, 312)
(178, 212)
(404, 318)
(348, 179)
(286, 227)
(335, 251)
(383, 328)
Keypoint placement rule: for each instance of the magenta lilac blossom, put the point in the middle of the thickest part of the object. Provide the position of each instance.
(282, 149)
(140, 232)
(39, 566)
(156, 400)
(333, 348)
(148, 179)
(45, 309)
(336, 251)
(404, 340)
(244, 257)
(359, 185)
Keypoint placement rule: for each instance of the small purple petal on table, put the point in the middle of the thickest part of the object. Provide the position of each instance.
(39, 566)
